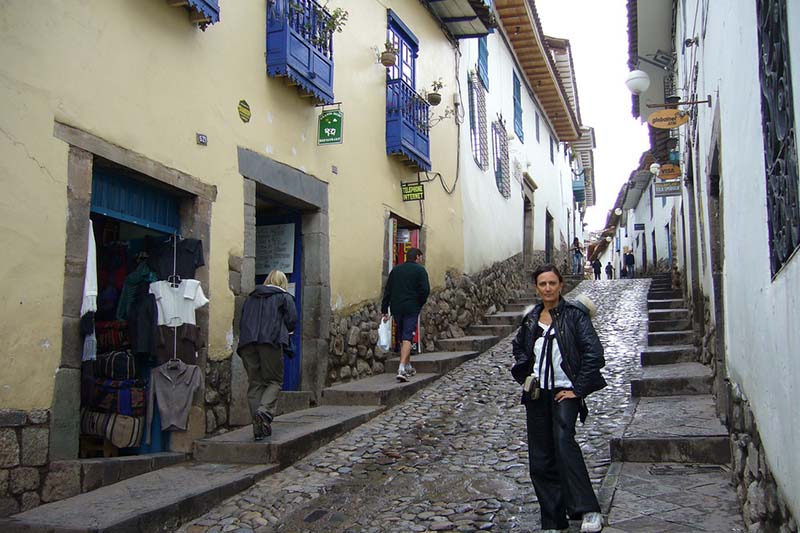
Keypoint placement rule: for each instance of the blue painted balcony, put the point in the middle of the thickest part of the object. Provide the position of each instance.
(300, 46)
(579, 189)
(407, 132)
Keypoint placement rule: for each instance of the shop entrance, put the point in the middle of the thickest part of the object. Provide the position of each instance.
(404, 235)
(279, 246)
(139, 260)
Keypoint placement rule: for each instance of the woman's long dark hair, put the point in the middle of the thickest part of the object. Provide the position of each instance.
(549, 267)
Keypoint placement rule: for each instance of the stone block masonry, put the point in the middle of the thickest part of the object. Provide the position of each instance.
(449, 311)
(24, 468)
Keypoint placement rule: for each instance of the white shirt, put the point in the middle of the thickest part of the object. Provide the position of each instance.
(176, 305)
(89, 302)
(561, 379)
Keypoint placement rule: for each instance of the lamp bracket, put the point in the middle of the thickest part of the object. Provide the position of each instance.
(689, 102)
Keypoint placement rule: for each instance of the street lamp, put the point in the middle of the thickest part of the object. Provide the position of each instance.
(655, 169)
(608, 238)
(618, 211)
(637, 81)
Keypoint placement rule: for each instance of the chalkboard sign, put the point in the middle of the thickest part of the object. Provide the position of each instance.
(275, 248)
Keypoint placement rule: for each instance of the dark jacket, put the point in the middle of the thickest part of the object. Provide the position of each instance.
(581, 351)
(268, 316)
(406, 290)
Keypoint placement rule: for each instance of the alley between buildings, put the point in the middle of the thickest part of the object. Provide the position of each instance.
(453, 457)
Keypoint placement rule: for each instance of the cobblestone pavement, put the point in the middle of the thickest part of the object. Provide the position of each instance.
(452, 457)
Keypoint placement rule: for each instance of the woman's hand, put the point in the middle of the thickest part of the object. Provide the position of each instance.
(564, 395)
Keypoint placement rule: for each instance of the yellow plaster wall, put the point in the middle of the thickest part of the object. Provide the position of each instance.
(139, 75)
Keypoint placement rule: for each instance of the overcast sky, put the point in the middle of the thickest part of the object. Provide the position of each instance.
(598, 34)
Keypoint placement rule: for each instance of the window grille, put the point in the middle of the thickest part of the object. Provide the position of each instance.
(478, 130)
(501, 165)
(780, 135)
(518, 110)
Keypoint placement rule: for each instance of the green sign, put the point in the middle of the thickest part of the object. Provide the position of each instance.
(330, 127)
(412, 191)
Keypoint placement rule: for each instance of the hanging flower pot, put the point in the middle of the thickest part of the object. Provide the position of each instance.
(434, 98)
(388, 58)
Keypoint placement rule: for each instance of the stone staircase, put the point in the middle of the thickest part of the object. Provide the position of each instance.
(226, 464)
(673, 415)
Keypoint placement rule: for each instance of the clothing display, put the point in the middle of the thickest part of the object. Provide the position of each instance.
(176, 305)
(140, 336)
(173, 384)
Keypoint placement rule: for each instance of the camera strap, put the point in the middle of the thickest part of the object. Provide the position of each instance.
(547, 378)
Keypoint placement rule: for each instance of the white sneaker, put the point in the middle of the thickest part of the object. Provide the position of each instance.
(592, 523)
(402, 377)
(410, 371)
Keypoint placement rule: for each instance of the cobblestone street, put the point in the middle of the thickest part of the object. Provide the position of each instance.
(453, 457)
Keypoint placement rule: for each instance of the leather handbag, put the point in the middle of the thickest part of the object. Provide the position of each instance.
(120, 365)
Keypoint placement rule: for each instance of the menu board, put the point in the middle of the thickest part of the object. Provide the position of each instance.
(275, 248)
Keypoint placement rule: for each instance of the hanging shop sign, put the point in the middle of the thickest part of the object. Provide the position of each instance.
(669, 171)
(244, 111)
(666, 119)
(329, 130)
(412, 191)
(667, 188)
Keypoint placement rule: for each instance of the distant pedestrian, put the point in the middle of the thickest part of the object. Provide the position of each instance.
(269, 316)
(558, 357)
(609, 271)
(630, 263)
(406, 291)
(624, 272)
(577, 256)
(596, 266)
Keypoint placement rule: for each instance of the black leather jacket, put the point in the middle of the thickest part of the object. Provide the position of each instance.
(581, 351)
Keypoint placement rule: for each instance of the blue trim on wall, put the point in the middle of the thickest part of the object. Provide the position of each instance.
(395, 21)
(209, 8)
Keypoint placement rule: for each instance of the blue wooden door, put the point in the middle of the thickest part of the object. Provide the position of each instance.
(291, 365)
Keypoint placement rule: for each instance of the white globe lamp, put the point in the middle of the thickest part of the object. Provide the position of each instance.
(637, 81)
(618, 211)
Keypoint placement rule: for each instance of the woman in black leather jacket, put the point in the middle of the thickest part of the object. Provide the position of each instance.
(558, 348)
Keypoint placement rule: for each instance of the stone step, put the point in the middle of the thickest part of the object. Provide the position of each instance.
(668, 314)
(294, 435)
(673, 379)
(512, 318)
(664, 294)
(525, 294)
(433, 362)
(683, 324)
(671, 303)
(380, 390)
(661, 338)
(516, 308)
(470, 343)
(659, 286)
(99, 472)
(667, 355)
(525, 302)
(157, 501)
(680, 429)
(499, 330)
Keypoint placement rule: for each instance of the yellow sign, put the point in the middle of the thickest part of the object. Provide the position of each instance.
(666, 119)
(244, 111)
(412, 191)
(669, 171)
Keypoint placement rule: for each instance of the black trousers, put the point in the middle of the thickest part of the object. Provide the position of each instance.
(558, 471)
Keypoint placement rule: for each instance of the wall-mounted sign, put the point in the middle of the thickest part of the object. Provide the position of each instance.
(244, 111)
(202, 139)
(666, 119)
(275, 248)
(412, 191)
(667, 188)
(329, 130)
(669, 171)
(638, 227)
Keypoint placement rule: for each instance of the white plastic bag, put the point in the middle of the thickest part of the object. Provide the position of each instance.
(385, 335)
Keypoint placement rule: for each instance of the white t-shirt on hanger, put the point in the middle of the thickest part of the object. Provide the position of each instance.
(176, 305)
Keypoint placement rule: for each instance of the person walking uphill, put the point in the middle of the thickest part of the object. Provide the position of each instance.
(558, 357)
(406, 291)
(596, 266)
(269, 316)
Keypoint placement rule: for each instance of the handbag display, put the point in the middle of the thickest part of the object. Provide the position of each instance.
(123, 431)
(124, 397)
(118, 365)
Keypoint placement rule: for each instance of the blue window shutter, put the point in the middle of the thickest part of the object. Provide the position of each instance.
(483, 62)
(518, 109)
(135, 201)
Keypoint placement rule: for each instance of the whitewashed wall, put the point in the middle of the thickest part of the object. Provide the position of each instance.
(761, 313)
(493, 224)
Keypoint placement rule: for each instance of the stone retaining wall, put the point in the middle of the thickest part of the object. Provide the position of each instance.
(763, 505)
(26, 479)
(218, 394)
(449, 311)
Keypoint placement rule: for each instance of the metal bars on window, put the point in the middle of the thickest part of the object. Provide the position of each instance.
(502, 172)
(779, 131)
(478, 131)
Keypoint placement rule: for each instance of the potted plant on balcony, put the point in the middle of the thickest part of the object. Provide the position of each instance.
(389, 54)
(435, 97)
